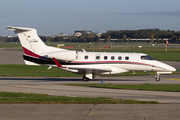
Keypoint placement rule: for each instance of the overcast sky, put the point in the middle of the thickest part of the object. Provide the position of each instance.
(51, 17)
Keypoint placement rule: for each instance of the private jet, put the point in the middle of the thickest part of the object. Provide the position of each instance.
(89, 64)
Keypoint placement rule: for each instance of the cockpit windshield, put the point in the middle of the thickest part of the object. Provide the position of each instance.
(147, 58)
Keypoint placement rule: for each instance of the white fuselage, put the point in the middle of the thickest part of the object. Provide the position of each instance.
(118, 62)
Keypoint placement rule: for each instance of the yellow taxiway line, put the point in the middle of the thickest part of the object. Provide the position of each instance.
(174, 79)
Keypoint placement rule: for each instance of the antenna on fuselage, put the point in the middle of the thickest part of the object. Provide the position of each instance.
(83, 50)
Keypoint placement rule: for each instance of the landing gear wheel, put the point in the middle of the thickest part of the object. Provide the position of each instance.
(157, 78)
(85, 79)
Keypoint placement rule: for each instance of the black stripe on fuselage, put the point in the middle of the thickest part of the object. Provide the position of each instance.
(44, 61)
(38, 60)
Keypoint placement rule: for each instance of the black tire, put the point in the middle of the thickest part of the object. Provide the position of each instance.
(157, 78)
(85, 79)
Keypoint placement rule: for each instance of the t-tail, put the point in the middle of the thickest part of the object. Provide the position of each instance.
(32, 45)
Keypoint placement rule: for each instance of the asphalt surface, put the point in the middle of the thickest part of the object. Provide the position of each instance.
(169, 110)
(53, 86)
(11, 56)
(89, 112)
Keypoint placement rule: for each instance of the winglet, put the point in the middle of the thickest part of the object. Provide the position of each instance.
(57, 63)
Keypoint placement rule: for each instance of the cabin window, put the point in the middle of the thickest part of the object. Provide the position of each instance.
(112, 57)
(126, 58)
(105, 57)
(97, 57)
(119, 58)
(146, 58)
(86, 57)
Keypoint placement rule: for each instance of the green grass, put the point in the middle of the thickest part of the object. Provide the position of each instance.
(11, 46)
(33, 71)
(149, 87)
(11, 97)
(161, 55)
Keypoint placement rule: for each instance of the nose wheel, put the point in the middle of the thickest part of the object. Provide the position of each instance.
(157, 78)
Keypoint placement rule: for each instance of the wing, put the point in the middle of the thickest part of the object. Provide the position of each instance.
(85, 70)
(81, 69)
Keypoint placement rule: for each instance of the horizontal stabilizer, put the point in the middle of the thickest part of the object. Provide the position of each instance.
(18, 28)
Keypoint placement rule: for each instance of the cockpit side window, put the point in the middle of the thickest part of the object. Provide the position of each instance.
(146, 58)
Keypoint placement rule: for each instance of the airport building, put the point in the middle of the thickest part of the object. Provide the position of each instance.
(139, 39)
(80, 32)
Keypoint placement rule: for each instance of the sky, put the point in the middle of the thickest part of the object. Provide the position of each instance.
(51, 17)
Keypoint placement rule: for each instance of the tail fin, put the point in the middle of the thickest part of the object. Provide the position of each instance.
(30, 41)
(33, 46)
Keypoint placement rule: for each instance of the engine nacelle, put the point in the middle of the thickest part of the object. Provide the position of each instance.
(64, 55)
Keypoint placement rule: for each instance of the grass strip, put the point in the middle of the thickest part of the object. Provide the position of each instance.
(149, 87)
(12, 97)
(33, 71)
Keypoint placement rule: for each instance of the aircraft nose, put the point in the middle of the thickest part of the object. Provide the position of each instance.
(170, 68)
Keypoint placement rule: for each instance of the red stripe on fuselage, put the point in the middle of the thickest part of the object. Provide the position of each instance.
(112, 62)
(123, 62)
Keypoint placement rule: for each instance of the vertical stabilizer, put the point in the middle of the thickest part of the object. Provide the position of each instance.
(30, 41)
(36, 52)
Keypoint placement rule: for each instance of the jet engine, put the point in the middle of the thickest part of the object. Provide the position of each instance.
(64, 55)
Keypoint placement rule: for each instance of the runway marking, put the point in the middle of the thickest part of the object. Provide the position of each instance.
(174, 79)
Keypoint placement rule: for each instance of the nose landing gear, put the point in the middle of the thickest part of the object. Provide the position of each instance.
(157, 77)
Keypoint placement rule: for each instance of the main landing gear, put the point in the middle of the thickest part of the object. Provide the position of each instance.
(88, 76)
(85, 79)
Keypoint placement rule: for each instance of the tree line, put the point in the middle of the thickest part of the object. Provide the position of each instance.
(125, 35)
(120, 35)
